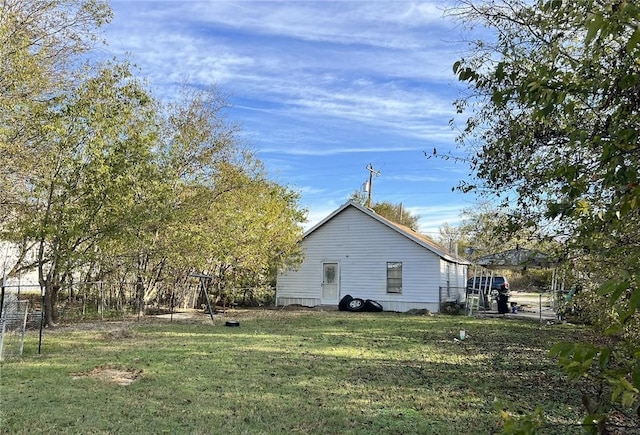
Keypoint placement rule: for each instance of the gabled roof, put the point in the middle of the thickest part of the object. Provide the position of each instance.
(405, 231)
(517, 258)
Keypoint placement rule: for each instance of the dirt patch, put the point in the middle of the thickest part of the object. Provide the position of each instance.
(97, 325)
(419, 312)
(119, 334)
(111, 375)
(187, 315)
(297, 307)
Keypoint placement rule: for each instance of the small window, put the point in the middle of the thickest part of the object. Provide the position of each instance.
(394, 277)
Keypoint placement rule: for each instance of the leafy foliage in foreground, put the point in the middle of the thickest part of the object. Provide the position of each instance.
(292, 371)
(555, 93)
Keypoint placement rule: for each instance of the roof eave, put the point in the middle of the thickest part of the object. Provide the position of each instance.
(442, 254)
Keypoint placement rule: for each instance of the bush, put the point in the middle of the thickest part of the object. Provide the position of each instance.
(451, 308)
(590, 308)
(251, 296)
(530, 280)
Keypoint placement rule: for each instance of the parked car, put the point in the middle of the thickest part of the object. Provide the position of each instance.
(495, 288)
(496, 283)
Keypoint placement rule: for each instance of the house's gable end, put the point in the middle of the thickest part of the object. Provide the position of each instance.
(400, 229)
(362, 244)
(326, 219)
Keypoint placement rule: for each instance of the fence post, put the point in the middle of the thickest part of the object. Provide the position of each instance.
(540, 306)
(4, 281)
(42, 314)
(101, 301)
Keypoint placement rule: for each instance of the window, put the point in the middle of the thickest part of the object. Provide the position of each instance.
(394, 277)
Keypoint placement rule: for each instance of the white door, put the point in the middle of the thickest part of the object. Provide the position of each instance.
(330, 281)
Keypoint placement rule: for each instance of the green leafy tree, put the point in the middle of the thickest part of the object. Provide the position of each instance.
(488, 229)
(484, 227)
(39, 41)
(239, 226)
(194, 146)
(359, 196)
(455, 238)
(255, 231)
(554, 132)
(40, 46)
(213, 211)
(94, 157)
(102, 182)
(394, 212)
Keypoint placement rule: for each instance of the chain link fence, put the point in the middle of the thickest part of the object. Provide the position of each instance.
(103, 300)
(13, 325)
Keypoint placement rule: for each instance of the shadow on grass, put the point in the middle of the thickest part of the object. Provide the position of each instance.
(292, 372)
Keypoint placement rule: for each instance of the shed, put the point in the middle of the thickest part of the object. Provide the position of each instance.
(358, 252)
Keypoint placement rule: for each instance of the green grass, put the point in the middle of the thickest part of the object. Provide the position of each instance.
(289, 372)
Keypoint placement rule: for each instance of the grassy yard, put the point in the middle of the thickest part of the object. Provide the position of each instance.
(287, 372)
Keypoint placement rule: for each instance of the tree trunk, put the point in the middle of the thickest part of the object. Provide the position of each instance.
(140, 295)
(50, 307)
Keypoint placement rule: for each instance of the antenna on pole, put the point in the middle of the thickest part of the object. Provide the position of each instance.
(372, 172)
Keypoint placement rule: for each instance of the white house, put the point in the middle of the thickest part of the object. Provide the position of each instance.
(357, 252)
(9, 255)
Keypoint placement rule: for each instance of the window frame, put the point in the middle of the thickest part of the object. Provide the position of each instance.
(394, 283)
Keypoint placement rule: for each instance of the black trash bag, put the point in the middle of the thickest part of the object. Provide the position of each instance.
(344, 302)
(372, 306)
(503, 303)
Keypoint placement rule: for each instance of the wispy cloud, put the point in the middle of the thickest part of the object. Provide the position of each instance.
(416, 178)
(310, 190)
(337, 151)
(320, 88)
(433, 217)
(370, 68)
(337, 22)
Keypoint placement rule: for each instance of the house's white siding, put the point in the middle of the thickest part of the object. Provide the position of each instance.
(453, 281)
(9, 254)
(362, 246)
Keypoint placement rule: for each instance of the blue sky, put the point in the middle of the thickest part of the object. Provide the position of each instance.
(320, 89)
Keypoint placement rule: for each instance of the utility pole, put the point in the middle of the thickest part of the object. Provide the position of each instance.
(372, 172)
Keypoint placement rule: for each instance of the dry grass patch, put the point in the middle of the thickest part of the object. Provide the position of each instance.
(110, 374)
